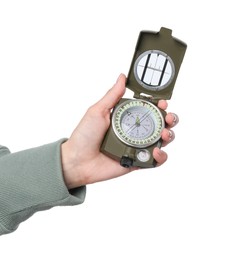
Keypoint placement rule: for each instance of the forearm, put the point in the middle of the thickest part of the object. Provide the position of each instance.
(30, 181)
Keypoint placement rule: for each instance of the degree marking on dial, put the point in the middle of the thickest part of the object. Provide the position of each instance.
(137, 123)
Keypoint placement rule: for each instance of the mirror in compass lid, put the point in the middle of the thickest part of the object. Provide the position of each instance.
(154, 70)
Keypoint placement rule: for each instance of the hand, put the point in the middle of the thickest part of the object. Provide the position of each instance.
(82, 161)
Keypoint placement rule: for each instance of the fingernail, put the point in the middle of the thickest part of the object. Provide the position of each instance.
(175, 119)
(170, 135)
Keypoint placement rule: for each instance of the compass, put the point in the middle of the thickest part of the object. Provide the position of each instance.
(137, 124)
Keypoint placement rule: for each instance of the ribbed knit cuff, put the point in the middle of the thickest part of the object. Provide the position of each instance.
(31, 181)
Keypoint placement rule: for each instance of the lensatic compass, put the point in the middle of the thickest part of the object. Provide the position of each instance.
(137, 124)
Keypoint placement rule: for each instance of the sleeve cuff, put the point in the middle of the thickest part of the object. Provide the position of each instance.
(31, 181)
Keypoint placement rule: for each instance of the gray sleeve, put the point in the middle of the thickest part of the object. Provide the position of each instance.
(32, 181)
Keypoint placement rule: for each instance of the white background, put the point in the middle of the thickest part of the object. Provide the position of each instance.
(59, 57)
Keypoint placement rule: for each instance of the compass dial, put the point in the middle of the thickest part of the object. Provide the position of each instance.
(138, 123)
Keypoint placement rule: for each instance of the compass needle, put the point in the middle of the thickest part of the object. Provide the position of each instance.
(130, 131)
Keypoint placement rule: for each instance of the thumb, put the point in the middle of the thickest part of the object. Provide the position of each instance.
(112, 97)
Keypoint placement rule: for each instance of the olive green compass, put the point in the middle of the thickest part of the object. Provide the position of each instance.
(137, 124)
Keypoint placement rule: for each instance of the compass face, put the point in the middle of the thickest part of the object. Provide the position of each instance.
(154, 70)
(137, 123)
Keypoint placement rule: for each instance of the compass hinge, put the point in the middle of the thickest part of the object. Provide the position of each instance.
(147, 98)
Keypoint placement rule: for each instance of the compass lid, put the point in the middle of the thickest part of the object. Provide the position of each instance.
(155, 64)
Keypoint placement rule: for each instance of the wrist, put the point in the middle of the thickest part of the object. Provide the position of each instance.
(72, 177)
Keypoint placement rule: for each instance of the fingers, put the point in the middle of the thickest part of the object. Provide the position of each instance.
(160, 156)
(171, 119)
(114, 94)
(168, 136)
(163, 104)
